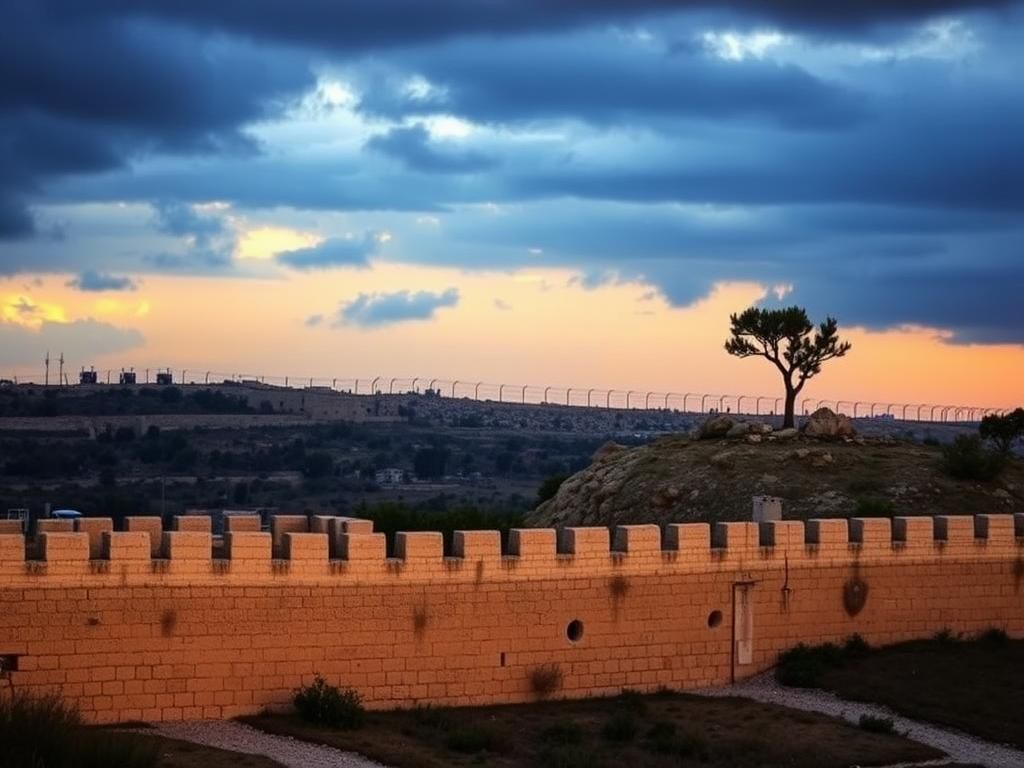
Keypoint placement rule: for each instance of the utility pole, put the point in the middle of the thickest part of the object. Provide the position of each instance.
(60, 379)
(46, 381)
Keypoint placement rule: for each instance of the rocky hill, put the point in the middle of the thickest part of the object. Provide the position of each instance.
(710, 477)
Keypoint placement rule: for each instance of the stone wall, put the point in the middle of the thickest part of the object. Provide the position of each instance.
(146, 625)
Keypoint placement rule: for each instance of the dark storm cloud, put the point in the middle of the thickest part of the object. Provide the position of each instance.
(413, 147)
(891, 191)
(82, 90)
(598, 79)
(371, 24)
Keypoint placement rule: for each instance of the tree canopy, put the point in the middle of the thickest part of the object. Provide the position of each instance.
(790, 341)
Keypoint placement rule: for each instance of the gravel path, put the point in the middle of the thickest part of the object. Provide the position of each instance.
(959, 746)
(227, 734)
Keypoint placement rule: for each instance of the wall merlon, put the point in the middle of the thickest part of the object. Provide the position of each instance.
(48, 525)
(94, 527)
(535, 544)
(282, 524)
(737, 540)
(151, 525)
(477, 545)
(954, 529)
(248, 545)
(784, 535)
(126, 546)
(188, 546)
(585, 541)
(362, 547)
(12, 554)
(307, 549)
(691, 540)
(193, 523)
(61, 550)
(322, 523)
(638, 539)
(356, 525)
(997, 530)
(10, 527)
(914, 534)
(828, 532)
(419, 545)
(242, 523)
(874, 534)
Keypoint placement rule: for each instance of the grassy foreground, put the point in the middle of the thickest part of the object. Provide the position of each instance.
(974, 685)
(657, 730)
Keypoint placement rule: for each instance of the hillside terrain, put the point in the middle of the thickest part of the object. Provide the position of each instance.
(682, 479)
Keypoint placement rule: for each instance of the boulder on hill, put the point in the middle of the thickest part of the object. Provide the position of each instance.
(608, 449)
(716, 425)
(826, 424)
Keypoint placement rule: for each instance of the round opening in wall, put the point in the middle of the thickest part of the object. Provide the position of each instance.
(714, 619)
(574, 631)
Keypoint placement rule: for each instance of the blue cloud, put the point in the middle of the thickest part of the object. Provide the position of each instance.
(91, 280)
(332, 252)
(413, 147)
(372, 310)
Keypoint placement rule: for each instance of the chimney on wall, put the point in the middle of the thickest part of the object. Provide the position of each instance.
(767, 509)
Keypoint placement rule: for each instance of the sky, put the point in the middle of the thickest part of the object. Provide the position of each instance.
(567, 194)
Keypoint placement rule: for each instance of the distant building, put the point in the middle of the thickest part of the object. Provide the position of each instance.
(389, 476)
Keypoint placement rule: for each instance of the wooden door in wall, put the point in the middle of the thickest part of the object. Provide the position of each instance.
(742, 627)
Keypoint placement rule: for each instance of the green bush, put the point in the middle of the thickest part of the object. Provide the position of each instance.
(803, 665)
(329, 705)
(967, 458)
(47, 733)
(875, 724)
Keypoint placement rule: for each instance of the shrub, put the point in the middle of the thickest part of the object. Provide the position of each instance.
(329, 705)
(431, 717)
(1004, 430)
(803, 665)
(966, 458)
(875, 724)
(620, 727)
(47, 733)
(545, 680)
(549, 488)
(994, 636)
(855, 647)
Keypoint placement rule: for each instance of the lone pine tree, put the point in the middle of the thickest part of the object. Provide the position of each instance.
(790, 341)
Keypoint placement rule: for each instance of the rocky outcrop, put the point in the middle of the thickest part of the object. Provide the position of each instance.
(826, 424)
(716, 425)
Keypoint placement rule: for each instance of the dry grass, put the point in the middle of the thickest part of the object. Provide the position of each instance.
(185, 754)
(977, 687)
(654, 731)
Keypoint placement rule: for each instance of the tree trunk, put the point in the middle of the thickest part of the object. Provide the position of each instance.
(789, 420)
